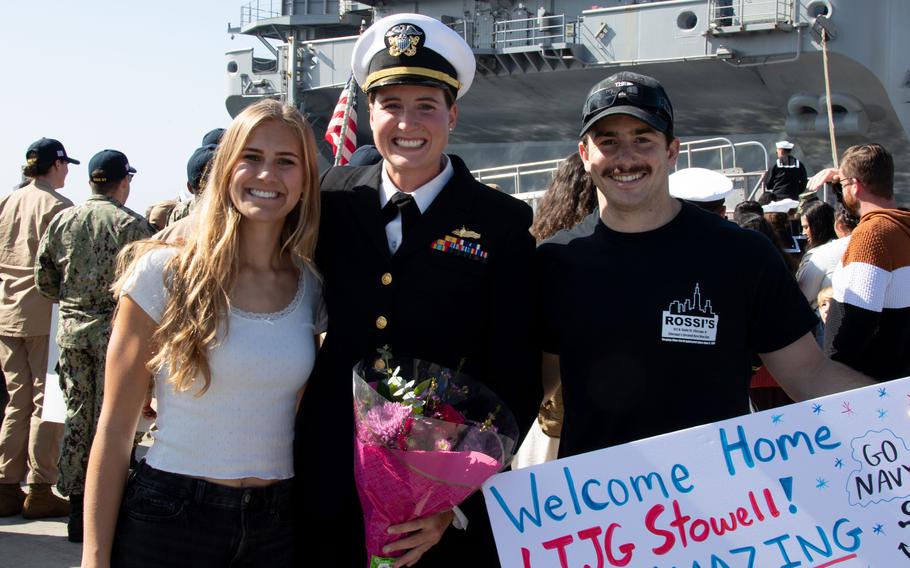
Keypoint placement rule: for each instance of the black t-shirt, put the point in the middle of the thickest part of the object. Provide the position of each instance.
(655, 330)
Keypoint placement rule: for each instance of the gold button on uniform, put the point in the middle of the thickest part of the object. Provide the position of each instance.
(386, 279)
(381, 322)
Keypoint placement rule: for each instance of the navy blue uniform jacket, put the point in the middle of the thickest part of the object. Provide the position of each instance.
(436, 306)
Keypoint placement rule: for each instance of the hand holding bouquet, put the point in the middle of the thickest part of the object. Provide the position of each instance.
(426, 438)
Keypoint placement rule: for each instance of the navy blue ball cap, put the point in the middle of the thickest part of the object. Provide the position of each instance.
(47, 151)
(199, 163)
(632, 94)
(213, 137)
(109, 165)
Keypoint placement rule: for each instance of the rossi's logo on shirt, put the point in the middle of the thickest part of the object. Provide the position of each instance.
(690, 321)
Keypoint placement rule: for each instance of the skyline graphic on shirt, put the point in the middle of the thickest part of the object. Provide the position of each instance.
(692, 306)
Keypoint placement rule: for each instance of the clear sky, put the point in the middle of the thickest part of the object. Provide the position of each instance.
(147, 78)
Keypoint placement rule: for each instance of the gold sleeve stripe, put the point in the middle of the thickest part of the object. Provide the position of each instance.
(420, 71)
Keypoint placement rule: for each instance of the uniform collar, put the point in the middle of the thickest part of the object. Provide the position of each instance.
(423, 195)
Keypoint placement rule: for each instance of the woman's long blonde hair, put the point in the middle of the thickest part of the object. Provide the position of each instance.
(200, 276)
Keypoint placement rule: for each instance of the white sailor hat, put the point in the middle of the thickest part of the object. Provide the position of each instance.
(700, 185)
(784, 145)
(411, 49)
(782, 206)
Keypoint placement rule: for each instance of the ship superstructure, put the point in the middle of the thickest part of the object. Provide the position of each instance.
(739, 69)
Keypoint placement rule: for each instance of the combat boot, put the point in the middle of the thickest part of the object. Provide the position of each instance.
(11, 499)
(74, 526)
(41, 503)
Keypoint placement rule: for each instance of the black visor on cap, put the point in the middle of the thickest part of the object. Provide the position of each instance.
(648, 104)
(407, 61)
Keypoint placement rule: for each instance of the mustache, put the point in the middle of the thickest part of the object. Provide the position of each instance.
(627, 171)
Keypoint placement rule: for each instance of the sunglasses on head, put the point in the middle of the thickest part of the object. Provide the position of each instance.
(635, 95)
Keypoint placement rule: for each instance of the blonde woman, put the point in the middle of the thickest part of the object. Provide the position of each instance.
(226, 324)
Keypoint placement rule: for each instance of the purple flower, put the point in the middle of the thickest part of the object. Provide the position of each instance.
(386, 422)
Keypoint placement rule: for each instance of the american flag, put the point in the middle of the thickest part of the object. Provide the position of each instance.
(338, 130)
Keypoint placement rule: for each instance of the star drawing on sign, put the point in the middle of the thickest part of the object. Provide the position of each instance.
(817, 408)
(821, 483)
(882, 392)
(878, 529)
(848, 410)
(882, 413)
(838, 463)
(777, 418)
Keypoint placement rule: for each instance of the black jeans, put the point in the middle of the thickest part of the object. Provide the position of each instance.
(168, 519)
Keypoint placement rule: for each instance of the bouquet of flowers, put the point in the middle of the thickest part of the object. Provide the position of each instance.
(426, 438)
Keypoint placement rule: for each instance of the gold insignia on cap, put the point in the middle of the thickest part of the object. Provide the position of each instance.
(465, 233)
(404, 39)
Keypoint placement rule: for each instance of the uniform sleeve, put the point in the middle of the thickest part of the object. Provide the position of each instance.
(145, 284)
(803, 178)
(512, 347)
(47, 275)
(769, 175)
(317, 303)
(780, 314)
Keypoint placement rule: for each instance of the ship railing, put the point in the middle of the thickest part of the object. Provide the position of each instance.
(523, 181)
(259, 10)
(545, 29)
(742, 13)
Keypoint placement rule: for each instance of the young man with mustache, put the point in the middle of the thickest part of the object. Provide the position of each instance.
(651, 307)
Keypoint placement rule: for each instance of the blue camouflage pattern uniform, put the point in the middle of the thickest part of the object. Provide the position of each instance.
(76, 267)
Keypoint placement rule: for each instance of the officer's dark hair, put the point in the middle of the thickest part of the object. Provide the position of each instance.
(450, 98)
(37, 169)
(872, 165)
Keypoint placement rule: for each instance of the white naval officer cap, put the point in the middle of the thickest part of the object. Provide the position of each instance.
(700, 185)
(784, 145)
(782, 206)
(412, 49)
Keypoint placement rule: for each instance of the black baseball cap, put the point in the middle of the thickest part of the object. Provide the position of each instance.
(632, 94)
(213, 136)
(47, 151)
(197, 164)
(109, 165)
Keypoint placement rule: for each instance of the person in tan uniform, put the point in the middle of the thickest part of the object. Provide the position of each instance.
(29, 447)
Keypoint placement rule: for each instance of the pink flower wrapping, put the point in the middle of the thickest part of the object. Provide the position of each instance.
(416, 456)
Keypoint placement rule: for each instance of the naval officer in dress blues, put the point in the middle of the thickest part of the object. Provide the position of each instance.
(393, 278)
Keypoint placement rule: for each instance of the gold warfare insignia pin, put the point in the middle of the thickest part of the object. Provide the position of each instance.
(404, 39)
(465, 233)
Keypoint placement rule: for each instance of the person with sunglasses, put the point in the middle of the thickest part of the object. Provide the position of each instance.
(869, 316)
(75, 267)
(652, 308)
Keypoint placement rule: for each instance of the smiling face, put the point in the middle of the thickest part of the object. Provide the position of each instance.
(411, 130)
(629, 163)
(267, 179)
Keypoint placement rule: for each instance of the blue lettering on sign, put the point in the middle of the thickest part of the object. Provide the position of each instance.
(766, 450)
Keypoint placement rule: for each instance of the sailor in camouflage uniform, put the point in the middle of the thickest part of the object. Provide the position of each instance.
(76, 266)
